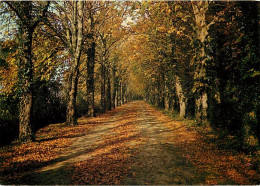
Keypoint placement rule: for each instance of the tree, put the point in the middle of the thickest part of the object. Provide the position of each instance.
(181, 37)
(108, 38)
(202, 26)
(91, 51)
(234, 73)
(67, 23)
(29, 15)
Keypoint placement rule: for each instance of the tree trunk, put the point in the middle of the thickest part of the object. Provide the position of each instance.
(201, 107)
(103, 88)
(158, 92)
(125, 95)
(117, 97)
(71, 118)
(90, 79)
(113, 74)
(26, 80)
(161, 86)
(24, 12)
(108, 93)
(166, 97)
(121, 94)
(201, 33)
(75, 49)
(25, 127)
(181, 97)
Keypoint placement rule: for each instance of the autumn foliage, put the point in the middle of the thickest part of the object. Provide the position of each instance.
(81, 65)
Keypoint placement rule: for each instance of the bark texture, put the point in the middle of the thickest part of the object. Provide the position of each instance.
(181, 96)
(103, 87)
(27, 22)
(26, 101)
(90, 79)
(201, 32)
(74, 42)
(166, 97)
(71, 118)
(113, 87)
(121, 93)
(108, 94)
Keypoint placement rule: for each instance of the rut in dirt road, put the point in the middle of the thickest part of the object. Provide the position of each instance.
(136, 144)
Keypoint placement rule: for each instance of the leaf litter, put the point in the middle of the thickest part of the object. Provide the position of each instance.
(111, 160)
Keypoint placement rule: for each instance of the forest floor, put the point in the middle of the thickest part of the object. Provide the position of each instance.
(133, 144)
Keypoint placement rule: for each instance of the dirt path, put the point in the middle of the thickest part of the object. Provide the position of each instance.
(158, 160)
(135, 144)
(83, 148)
(152, 158)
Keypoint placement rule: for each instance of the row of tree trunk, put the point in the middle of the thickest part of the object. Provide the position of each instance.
(72, 37)
(113, 89)
(214, 84)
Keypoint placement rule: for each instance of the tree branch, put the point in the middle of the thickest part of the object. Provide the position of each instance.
(9, 3)
(40, 18)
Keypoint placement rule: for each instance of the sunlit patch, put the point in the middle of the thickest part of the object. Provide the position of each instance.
(51, 142)
(110, 164)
